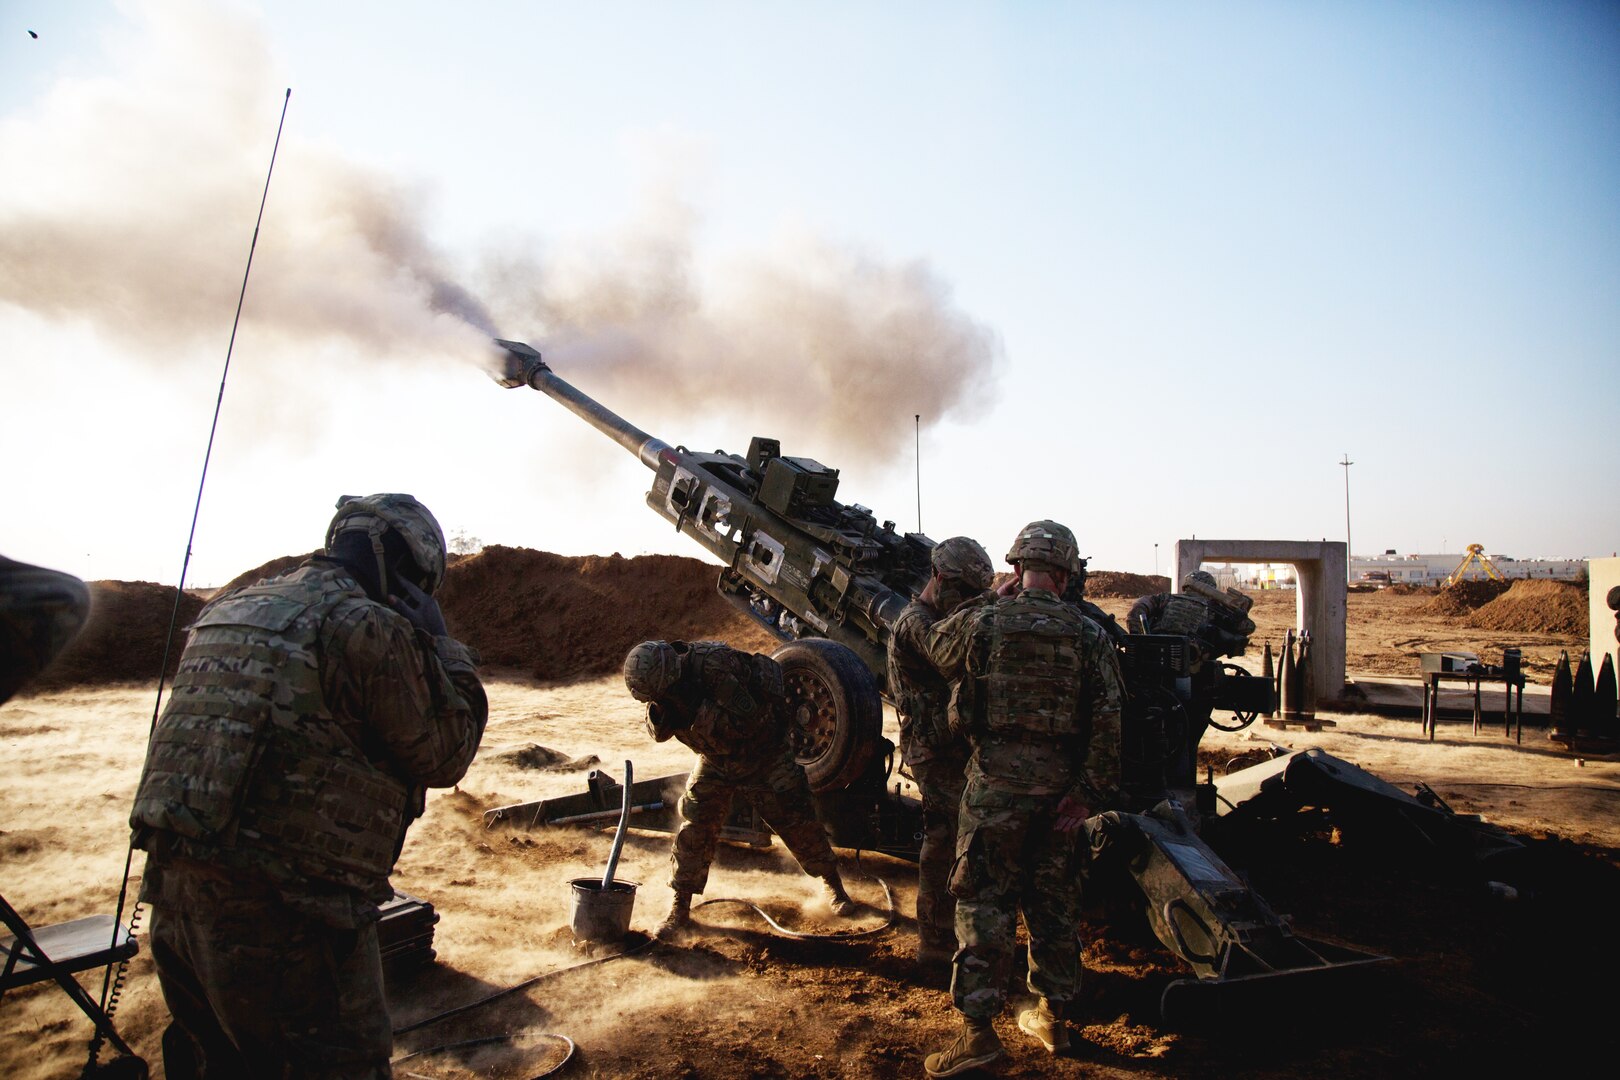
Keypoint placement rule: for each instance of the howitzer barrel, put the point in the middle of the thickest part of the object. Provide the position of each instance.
(525, 368)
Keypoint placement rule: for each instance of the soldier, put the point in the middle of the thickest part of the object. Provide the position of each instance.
(1190, 615)
(1148, 612)
(1037, 688)
(731, 708)
(935, 758)
(310, 713)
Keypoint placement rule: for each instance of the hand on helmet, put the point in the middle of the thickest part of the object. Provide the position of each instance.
(418, 607)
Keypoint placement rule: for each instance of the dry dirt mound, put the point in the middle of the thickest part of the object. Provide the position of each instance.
(557, 617)
(562, 617)
(550, 616)
(124, 639)
(1541, 607)
(1118, 585)
(1464, 597)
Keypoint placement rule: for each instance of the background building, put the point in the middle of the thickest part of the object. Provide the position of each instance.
(1392, 569)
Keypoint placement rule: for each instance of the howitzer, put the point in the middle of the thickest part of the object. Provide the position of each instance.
(828, 580)
(826, 577)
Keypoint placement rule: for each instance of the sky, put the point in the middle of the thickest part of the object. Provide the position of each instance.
(1154, 270)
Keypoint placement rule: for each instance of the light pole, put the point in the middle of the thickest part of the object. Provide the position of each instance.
(1347, 463)
(1155, 558)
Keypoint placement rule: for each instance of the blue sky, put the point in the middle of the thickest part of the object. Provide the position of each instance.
(1207, 250)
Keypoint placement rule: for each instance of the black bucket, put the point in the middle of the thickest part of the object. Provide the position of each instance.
(598, 914)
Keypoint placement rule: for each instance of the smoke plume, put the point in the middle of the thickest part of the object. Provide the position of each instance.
(127, 202)
(829, 346)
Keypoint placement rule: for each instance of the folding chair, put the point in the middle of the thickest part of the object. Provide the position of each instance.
(56, 952)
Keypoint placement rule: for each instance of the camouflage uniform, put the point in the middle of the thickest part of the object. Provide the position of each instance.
(937, 761)
(730, 707)
(935, 758)
(40, 611)
(1185, 616)
(303, 728)
(1037, 688)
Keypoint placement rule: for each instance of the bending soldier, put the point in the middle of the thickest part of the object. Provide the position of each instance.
(935, 757)
(310, 713)
(1036, 687)
(731, 708)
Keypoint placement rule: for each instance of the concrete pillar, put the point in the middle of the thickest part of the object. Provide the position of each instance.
(1319, 570)
(1601, 576)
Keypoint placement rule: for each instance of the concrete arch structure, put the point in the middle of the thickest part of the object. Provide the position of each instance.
(1319, 568)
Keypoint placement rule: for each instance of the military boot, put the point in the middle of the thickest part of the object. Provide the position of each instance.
(678, 920)
(975, 1047)
(1044, 1025)
(837, 898)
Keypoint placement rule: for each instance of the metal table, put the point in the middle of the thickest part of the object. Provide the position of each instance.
(1466, 668)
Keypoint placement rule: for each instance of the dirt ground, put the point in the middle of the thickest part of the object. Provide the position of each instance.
(1476, 983)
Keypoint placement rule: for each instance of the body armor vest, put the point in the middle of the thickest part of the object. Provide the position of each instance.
(248, 757)
(1184, 615)
(1031, 668)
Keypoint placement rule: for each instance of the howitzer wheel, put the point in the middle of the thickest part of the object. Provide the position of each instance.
(836, 709)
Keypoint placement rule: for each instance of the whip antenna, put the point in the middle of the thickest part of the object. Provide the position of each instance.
(219, 403)
(109, 986)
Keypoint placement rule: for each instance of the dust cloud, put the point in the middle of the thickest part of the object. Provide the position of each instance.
(128, 203)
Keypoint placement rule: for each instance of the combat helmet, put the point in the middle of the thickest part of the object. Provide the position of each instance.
(1204, 576)
(650, 669)
(1046, 542)
(962, 558)
(402, 515)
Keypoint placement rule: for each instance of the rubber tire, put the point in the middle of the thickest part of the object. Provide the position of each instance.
(836, 707)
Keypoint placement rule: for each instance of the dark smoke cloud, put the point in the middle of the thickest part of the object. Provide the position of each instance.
(128, 202)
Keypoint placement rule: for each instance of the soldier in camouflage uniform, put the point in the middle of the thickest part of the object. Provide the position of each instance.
(1037, 689)
(731, 708)
(1185, 615)
(1148, 613)
(936, 759)
(310, 713)
(40, 611)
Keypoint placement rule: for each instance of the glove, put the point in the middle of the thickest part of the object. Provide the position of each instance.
(418, 607)
(1072, 812)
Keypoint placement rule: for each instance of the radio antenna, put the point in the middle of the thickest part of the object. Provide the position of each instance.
(219, 403)
(917, 425)
(180, 589)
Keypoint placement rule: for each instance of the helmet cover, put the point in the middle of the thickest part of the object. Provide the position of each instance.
(402, 515)
(961, 558)
(650, 669)
(1046, 542)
